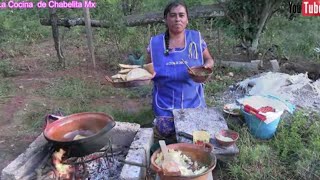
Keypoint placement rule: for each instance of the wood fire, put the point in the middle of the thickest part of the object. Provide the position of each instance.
(63, 171)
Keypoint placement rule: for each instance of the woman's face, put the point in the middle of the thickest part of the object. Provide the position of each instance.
(177, 19)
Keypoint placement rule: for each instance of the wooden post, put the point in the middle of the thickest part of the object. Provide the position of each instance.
(55, 34)
(87, 20)
(219, 45)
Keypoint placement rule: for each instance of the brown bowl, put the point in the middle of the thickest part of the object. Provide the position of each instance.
(226, 133)
(202, 155)
(200, 74)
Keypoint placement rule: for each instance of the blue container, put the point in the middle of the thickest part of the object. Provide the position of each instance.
(258, 128)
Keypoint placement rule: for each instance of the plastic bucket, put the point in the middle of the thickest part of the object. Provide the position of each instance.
(258, 128)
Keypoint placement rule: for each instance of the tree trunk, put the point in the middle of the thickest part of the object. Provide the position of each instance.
(87, 19)
(265, 15)
(55, 34)
(75, 22)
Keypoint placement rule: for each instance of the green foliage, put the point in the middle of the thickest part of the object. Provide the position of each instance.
(295, 38)
(21, 26)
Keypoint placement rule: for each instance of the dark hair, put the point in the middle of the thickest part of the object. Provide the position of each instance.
(168, 8)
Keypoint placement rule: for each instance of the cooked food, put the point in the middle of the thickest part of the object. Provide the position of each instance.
(124, 71)
(202, 73)
(77, 137)
(224, 138)
(138, 73)
(131, 72)
(186, 165)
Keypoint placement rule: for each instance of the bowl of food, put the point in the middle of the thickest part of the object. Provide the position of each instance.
(194, 162)
(200, 74)
(226, 137)
(232, 109)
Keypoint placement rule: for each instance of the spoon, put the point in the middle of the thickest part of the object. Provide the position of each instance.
(169, 166)
(188, 67)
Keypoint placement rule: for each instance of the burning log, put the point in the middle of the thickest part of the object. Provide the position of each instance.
(64, 171)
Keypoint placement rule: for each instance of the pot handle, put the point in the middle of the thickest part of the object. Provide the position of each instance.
(50, 118)
(208, 147)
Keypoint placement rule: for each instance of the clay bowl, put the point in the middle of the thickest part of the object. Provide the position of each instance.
(200, 74)
(197, 153)
(226, 137)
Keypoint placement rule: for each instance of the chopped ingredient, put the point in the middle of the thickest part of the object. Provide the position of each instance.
(186, 165)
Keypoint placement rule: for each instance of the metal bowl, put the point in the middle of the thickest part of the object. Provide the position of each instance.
(197, 153)
(226, 133)
(200, 74)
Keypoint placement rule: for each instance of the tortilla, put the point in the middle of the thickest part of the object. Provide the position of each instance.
(124, 71)
(119, 76)
(127, 66)
(138, 73)
(149, 68)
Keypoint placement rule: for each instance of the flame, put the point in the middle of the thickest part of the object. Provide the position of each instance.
(62, 170)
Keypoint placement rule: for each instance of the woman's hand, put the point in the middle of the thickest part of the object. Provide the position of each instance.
(208, 66)
(208, 60)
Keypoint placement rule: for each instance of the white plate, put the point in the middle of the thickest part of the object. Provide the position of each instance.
(232, 109)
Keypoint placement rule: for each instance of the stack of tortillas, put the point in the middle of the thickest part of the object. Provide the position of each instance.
(131, 73)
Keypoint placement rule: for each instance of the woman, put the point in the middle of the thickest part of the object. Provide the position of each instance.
(173, 88)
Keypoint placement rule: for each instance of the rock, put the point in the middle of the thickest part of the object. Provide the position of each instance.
(275, 65)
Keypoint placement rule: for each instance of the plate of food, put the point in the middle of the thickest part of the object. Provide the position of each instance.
(232, 109)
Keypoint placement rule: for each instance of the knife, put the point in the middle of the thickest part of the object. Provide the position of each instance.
(190, 137)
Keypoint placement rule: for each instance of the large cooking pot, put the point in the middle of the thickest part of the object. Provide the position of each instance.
(204, 156)
(91, 127)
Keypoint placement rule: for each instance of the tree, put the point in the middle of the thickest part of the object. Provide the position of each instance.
(129, 6)
(249, 19)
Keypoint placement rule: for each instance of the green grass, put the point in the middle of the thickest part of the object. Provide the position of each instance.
(144, 117)
(7, 69)
(6, 88)
(220, 82)
(35, 118)
(294, 152)
(75, 88)
(296, 38)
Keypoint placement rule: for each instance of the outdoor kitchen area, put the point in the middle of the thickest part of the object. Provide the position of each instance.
(128, 144)
(126, 153)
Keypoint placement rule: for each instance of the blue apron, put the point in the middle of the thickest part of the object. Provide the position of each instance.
(173, 88)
